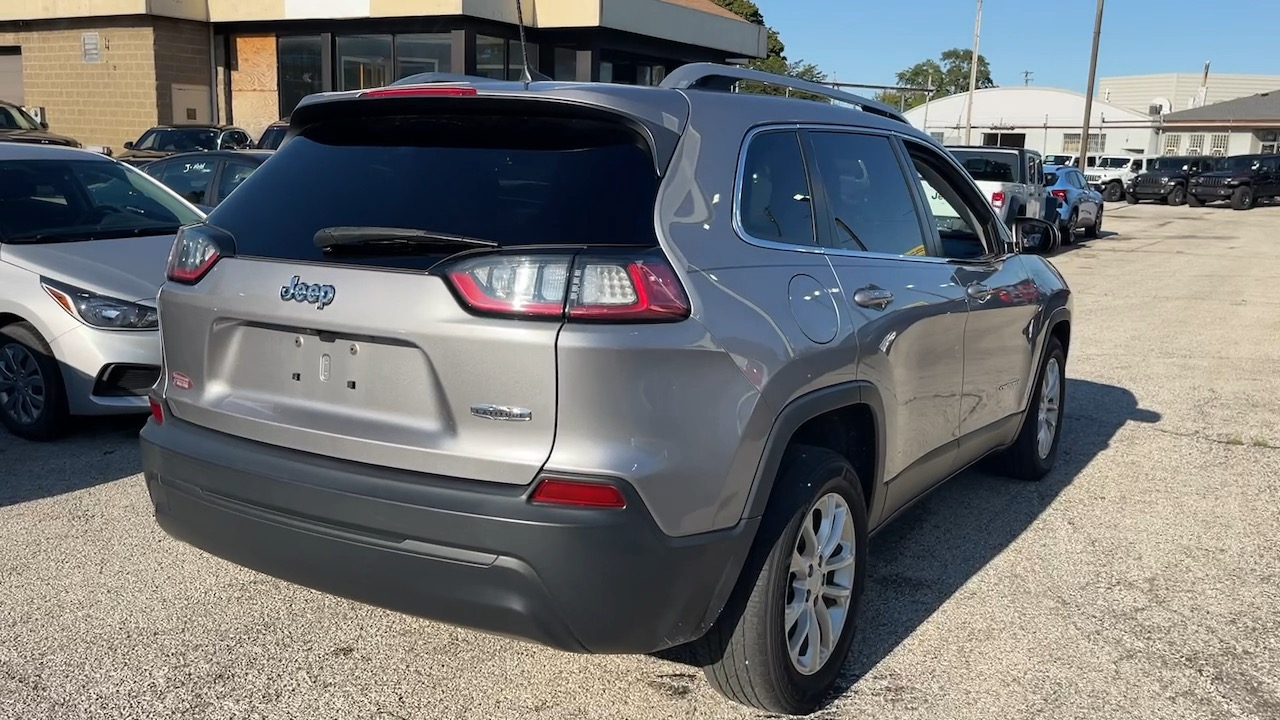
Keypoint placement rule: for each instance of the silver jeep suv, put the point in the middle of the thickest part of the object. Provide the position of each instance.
(613, 369)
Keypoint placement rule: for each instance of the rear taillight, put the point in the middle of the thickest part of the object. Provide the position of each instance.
(157, 411)
(195, 251)
(1060, 194)
(577, 493)
(588, 286)
(420, 91)
(997, 199)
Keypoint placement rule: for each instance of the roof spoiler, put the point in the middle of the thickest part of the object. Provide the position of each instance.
(723, 78)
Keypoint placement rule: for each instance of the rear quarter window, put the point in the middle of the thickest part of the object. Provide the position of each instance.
(513, 180)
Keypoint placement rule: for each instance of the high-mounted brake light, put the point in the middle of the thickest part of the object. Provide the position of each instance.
(578, 493)
(420, 91)
(997, 199)
(194, 253)
(591, 286)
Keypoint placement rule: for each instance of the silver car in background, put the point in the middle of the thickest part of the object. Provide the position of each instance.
(83, 244)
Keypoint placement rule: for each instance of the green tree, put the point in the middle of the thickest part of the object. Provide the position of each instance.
(948, 75)
(775, 61)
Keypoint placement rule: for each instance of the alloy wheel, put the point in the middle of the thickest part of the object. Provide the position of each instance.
(820, 584)
(1050, 407)
(22, 386)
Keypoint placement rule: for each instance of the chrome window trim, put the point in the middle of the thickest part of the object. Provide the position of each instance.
(740, 185)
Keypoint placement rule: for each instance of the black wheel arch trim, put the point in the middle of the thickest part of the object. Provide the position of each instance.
(799, 411)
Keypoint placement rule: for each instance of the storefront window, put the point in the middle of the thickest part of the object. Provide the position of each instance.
(429, 52)
(491, 57)
(566, 64)
(364, 61)
(301, 69)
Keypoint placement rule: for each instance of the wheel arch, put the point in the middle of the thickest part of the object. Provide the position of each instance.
(847, 418)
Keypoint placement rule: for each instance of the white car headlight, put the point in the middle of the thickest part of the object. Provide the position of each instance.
(101, 311)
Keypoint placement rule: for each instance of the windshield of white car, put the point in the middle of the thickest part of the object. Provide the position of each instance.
(68, 200)
(1114, 163)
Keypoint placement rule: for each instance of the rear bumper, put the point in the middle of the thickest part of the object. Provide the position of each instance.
(465, 553)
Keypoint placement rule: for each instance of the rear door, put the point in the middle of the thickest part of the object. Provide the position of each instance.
(366, 353)
(907, 309)
(997, 355)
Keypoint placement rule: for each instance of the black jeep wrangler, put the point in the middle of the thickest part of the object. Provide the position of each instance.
(1241, 179)
(1167, 178)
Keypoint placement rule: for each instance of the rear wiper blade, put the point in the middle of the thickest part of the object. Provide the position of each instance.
(372, 236)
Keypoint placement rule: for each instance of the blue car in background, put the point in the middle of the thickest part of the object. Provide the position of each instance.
(1079, 206)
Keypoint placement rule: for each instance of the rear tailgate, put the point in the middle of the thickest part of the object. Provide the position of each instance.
(363, 353)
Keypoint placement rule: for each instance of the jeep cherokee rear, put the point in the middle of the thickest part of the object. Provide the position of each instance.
(614, 369)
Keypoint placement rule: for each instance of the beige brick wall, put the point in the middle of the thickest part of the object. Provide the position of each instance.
(182, 58)
(98, 104)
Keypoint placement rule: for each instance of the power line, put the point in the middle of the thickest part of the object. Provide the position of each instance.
(1027, 77)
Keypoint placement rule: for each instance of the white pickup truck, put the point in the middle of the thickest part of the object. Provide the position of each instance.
(1112, 174)
(1011, 178)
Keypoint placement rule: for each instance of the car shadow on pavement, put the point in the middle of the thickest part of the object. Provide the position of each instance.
(95, 451)
(920, 561)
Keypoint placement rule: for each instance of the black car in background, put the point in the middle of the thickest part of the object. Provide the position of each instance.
(165, 140)
(17, 126)
(1242, 180)
(274, 135)
(204, 178)
(1167, 178)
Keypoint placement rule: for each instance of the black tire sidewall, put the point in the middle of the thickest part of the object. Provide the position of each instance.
(52, 416)
(1177, 196)
(1045, 464)
(1113, 193)
(832, 475)
(1242, 198)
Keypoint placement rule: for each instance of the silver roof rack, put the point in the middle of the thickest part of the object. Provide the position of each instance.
(711, 76)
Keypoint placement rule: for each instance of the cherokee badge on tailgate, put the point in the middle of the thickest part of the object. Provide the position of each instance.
(298, 291)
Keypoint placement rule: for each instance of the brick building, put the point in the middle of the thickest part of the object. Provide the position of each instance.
(103, 71)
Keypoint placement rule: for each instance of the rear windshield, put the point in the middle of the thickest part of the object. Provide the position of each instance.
(989, 166)
(513, 180)
(272, 137)
(1050, 179)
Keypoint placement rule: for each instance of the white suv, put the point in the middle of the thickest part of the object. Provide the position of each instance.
(1113, 173)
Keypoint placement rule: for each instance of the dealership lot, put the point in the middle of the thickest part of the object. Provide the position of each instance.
(1141, 579)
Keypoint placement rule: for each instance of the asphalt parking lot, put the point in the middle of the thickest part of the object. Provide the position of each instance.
(1140, 580)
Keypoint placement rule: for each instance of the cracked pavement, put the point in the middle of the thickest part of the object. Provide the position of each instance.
(1140, 580)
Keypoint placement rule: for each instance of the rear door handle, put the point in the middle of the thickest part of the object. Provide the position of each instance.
(874, 298)
(978, 291)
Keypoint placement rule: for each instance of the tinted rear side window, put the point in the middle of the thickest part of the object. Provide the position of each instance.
(989, 166)
(513, 180)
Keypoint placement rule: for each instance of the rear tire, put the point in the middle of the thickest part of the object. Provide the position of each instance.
(1242, 198)
(1177, 196)
(33, 399)
(1032, 456)
(755, 654)
(1113, 193)
(1069, 232)
(1094, 230)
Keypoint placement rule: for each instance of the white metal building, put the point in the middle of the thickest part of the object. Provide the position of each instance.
(1044, 119)
(1174, 92)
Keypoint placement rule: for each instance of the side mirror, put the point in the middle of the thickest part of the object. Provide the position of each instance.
(1034, 234)
(128, 144)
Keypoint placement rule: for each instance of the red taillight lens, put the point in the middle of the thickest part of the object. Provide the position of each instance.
(1060, 194)
(157, 411)
(590, 286)
(997, 199)
(577, 493)
(193, 255)
(420, 91)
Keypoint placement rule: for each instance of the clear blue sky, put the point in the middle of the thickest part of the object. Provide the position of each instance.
(868, 41)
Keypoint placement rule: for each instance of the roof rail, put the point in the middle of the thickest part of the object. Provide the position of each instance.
(711, 76)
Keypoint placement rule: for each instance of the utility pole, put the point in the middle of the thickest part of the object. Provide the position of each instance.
(1088, 95)
(973, 78)
(1027, 76)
